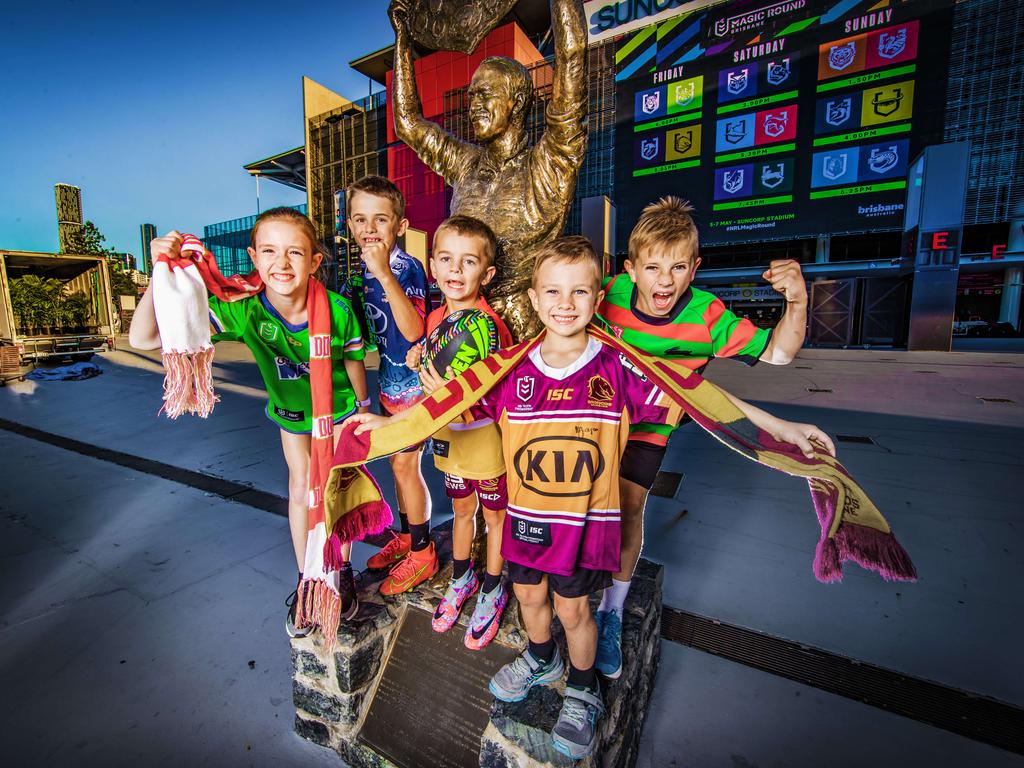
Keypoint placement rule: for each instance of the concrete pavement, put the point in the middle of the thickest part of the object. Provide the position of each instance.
(131, 607)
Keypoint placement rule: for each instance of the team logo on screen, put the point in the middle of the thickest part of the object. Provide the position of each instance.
(732, 181)
(651, 102)
(891, 46)
(775, 125)
(885, 104)
(778, 71)
(683, 141)
(833, 166)
(685, 93)
(883, 159)
(735, 132)
(524, 388)
(649, 148)
(736, 82)
(772, 176)
(842, 56)
(838, 112)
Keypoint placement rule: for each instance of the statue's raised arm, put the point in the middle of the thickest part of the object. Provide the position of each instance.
(524, 193)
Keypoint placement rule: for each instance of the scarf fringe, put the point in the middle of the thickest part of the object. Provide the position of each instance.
(188, 383)
(319, 604)
(367, 519)
(870, 548)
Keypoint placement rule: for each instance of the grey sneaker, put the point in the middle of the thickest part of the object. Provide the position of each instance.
(575, 733)
(514, 681)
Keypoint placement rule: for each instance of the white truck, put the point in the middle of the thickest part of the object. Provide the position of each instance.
(52, 307)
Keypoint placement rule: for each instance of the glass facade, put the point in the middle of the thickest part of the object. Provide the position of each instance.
(228, 241)
(345, 144)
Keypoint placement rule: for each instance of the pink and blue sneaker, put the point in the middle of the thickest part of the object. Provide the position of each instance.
(483, 626)
(458, 592)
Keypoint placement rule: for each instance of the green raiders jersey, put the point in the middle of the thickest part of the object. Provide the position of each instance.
(698, 328)
(282, 354)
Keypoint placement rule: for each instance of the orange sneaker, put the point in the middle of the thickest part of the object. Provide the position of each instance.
(416, 568)
(392, 552)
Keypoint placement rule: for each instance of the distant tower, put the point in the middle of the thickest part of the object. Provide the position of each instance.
(69, 215)
(148, 235)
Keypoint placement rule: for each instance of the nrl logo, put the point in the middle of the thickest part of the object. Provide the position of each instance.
(268, 331)
(524, 388)
(651, 102)
(886, 106)
(838, 112)
(685, 94)
(735, 132)
(683, 142)
(736, 82)
(833, 166)
(891, 46)
(649, 148)
(842, 56)
(882, 160)
(772, 176)
(775, 125)
(732, 181)
(778, 71)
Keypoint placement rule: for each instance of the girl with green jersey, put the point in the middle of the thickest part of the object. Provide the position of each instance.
(274, 324)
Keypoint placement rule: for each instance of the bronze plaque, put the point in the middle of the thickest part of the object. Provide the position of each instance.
(432, 704)
(455, 25)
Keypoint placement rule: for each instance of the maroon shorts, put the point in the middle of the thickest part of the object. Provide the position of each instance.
(493, 493)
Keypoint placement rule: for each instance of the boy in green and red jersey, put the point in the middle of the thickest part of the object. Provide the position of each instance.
(653, 307)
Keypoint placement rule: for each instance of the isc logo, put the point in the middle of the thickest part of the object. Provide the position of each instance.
(560, 394)
(559, 466)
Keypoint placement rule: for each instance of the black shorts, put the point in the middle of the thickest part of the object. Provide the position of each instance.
(641, 462)
(580, 583)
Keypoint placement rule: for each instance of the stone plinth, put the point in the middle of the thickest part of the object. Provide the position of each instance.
(332, 693)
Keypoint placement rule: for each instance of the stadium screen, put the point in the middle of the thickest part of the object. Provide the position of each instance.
(781, 120)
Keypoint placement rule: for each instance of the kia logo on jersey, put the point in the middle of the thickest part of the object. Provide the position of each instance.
(559, 466)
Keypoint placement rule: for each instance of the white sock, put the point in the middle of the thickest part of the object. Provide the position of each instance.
(615, 597)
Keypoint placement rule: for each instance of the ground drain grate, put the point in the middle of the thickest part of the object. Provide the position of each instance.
(226, 489)
(855, 439)
(666, 484)
(996, 400)
(977, 717)
(925, 371)
(803, 367)
(816, 389)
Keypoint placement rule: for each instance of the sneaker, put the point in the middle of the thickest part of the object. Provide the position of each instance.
(609, 644)
(486, 618)
(575, 733)
(514, 681)
(392, 552)
(289, 619)
(414, 569)
(349, 596)
(458, 592)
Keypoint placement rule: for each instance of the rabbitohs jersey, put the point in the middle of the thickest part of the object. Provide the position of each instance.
(563, 431)
(698, 328)
(281, 351)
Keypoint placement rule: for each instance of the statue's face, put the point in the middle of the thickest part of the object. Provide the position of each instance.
(490, 106)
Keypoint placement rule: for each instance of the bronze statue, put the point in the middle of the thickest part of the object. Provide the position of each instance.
(524, 193)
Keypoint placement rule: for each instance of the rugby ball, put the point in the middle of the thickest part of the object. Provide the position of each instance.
(461, 339)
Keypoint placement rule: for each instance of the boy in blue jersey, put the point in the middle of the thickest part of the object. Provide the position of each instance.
(395, 302)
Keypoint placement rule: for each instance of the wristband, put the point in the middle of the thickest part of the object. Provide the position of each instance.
(363, 403)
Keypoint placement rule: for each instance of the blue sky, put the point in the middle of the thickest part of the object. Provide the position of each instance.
(153, 108)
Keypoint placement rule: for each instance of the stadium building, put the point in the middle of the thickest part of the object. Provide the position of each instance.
(796, 128)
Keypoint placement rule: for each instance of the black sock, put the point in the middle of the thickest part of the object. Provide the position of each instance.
(404, 519)
(582, 678)
(490, 582)
(543, 652)
(459, 568)
(420, 533)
